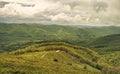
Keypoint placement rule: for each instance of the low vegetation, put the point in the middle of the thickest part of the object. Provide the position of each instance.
(54, 57)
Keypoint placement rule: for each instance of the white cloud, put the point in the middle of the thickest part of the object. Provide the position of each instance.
(14, 9)
(62, 11)
(61, 17)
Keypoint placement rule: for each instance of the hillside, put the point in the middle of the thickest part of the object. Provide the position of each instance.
(109, 43)
(14, 36)
(54, 58)
(108, 47)
(40, 49)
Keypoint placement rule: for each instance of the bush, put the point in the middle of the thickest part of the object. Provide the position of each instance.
(98, 67)
(85, 67)
(56, 60)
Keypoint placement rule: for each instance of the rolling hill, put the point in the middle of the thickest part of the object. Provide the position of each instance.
(14, 36)
(54, 58)
(109, 47)
(40, 49)
(109, 43)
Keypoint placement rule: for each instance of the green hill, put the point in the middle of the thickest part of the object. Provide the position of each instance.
(108, 43)
(108, 47)
(14, 36)
(54, 58)
(40, 49)
(113, 58)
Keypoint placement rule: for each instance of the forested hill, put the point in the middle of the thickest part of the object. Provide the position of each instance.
(12, 34)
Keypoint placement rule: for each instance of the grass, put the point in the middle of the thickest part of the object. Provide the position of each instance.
(54, 58)
(113, 58)
(31, 60)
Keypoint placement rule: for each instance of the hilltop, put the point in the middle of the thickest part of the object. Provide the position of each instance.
(52, 58)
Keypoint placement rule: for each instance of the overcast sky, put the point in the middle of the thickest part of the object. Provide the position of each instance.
(64, 12)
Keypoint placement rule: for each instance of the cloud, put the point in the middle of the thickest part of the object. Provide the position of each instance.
(62, 17)
(76, 12)
(2, 3)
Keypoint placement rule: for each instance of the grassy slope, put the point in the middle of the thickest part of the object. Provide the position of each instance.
(54, 57)
(113, 58)
(60, 58)
(109, 47)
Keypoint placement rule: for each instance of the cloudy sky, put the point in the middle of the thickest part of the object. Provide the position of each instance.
(64, 12)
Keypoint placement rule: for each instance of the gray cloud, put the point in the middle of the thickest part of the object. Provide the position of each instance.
(75, 12)
(2, 3)
(27, 5)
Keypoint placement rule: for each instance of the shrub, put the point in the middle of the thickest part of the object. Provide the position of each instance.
(56, 60)
(98, 67)
(85, 67)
